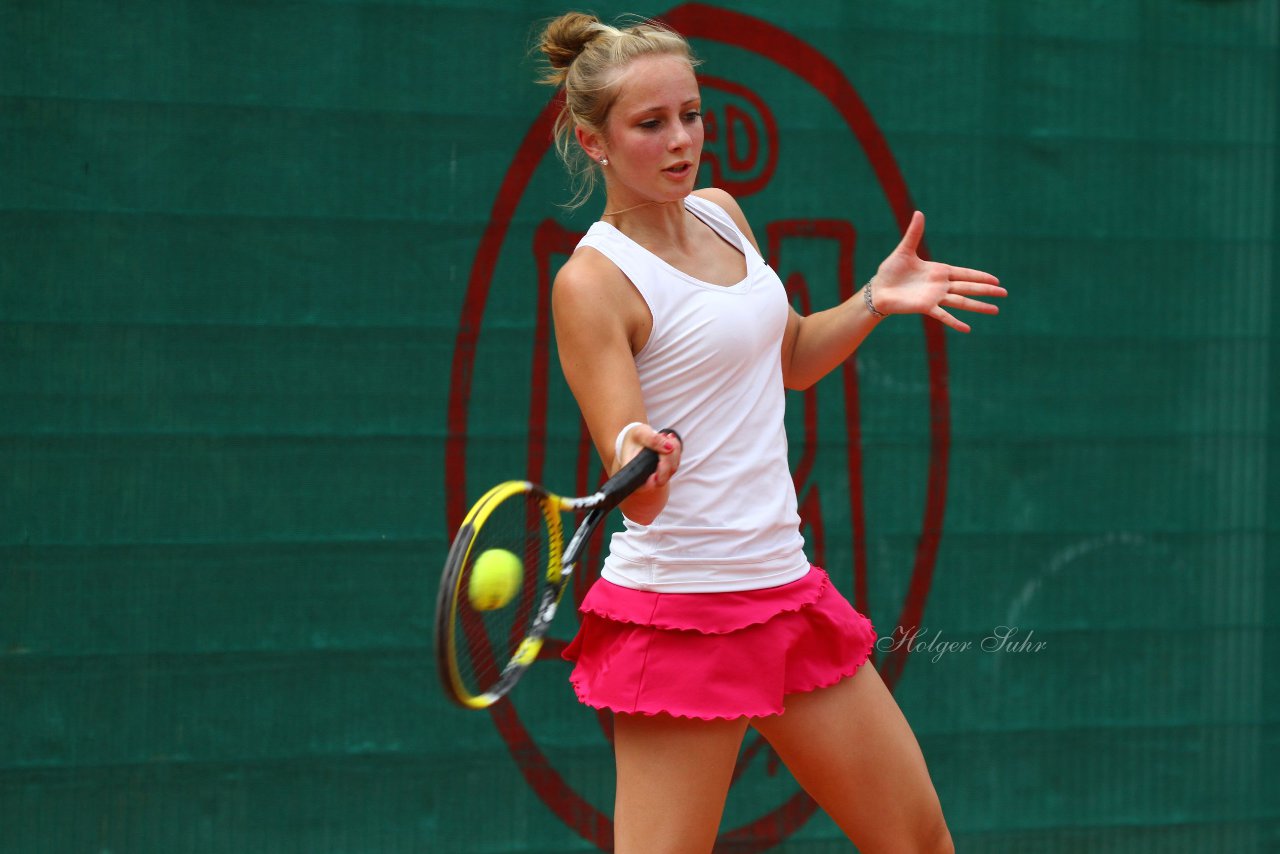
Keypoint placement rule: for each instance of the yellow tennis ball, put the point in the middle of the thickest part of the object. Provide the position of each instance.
(495, 579)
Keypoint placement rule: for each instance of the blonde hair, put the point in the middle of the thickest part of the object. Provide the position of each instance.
(586, 57)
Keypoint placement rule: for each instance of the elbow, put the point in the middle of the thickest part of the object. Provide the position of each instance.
(794, 375)
(791, 382)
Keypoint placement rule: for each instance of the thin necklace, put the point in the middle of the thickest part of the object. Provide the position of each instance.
(633, 207)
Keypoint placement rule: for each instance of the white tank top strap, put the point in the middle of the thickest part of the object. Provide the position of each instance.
(722, 223)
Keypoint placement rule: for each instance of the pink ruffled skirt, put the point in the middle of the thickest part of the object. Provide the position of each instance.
(714, 655)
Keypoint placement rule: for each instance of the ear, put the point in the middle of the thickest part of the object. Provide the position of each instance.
(591, 143)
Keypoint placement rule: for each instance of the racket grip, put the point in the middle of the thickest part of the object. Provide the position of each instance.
(633, 475)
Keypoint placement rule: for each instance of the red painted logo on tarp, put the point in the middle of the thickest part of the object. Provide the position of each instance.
(741, 155)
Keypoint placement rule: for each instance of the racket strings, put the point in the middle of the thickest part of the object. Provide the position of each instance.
(486, 639)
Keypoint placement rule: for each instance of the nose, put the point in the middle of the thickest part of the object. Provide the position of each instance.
(680, 139)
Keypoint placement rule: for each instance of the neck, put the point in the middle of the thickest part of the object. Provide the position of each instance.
(645, 216)
(632, 208)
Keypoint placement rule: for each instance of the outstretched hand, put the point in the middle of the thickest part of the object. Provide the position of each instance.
(908, 284)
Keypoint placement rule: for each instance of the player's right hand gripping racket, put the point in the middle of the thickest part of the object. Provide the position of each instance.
(505, 574)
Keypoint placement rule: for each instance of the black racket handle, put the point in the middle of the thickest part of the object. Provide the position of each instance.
(633, 475)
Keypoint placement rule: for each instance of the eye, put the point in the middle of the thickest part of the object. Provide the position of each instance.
(649, 124)
(693, 115)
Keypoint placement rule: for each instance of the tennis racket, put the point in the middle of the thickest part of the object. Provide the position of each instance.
(504, 576)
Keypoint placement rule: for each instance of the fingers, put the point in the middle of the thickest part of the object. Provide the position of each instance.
(957, 285)
(668, 448)
(663, 443)
(940, 314)
(960, 292)
(966, 304)
(911, 237)
(973, 290)
(964, 274)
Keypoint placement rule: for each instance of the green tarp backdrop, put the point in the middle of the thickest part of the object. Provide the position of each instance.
(273, 280)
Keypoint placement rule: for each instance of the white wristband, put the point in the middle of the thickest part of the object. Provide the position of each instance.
(622, 437)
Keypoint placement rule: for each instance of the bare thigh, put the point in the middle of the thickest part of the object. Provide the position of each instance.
(852, 750)
(673, 778)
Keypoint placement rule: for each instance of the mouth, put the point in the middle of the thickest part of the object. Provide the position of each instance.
(679, 170)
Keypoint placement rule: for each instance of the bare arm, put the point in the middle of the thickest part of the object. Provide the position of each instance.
(599, 318)
(814, 345)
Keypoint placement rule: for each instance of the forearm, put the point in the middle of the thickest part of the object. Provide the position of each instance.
(644, 505)
(822, 341)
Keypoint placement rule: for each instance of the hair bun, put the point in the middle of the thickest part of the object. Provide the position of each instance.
(566, 36)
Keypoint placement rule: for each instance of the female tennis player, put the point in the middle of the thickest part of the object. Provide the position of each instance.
(708, 618)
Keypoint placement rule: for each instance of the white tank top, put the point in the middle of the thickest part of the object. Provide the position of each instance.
(711, 369)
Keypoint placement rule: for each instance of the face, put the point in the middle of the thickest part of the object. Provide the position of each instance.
(653, 135)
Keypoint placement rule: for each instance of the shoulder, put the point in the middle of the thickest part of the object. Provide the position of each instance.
(588, 270)
(590, 290)
(731, 207)
(721, 198)
(597, 309)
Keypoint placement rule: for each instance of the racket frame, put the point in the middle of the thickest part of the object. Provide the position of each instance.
(562, 560)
